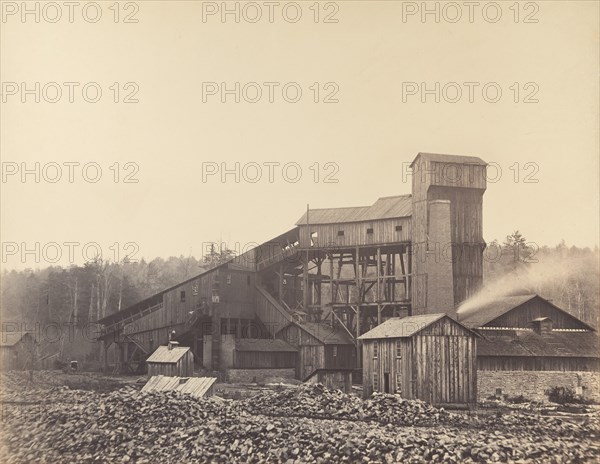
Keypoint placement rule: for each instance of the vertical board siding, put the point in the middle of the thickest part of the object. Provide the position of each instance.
(437, 364)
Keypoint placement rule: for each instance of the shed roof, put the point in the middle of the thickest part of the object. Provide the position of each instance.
(164, 355)
(323, 332)
(194, 386)
(12, 338)
(402, 327)
(384, 208)
(529, 343)
(456, 159)
(261, 344)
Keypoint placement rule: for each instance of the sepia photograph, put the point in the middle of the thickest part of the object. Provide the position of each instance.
(311, 231)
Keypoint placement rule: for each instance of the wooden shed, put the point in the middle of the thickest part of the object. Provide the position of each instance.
(320, 346)
(171, 361)
(17, 351)
(430, 357)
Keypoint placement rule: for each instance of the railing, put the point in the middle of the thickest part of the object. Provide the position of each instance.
(278, 257)
(120, 324)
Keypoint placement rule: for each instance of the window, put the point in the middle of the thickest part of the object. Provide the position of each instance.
(182, 296)
(398, 349)
(314, 238)
(398, 228)
(228, 279)
(375, 349)
(334, 351)
(375, 381)
(340, 233)
(370, 230)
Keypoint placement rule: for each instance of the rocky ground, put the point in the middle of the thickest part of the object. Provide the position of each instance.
(49, 424)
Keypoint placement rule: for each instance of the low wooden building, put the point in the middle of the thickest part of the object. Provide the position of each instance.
(320, 346)
(171, 361)
(430, 357)
(528, 345)
(18, 351)
(257, 353)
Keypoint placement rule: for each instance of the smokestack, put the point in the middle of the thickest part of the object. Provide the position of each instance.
(440, 278)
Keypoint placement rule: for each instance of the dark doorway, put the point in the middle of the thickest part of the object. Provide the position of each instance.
(386, 382)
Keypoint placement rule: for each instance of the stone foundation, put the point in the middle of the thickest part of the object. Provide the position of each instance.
(260, 375)
(533, 384)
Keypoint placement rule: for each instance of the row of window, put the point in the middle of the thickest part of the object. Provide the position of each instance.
(398, 349)
(228, 280)
(369, 231)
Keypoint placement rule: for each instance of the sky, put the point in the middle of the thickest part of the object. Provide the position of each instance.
(332, 107)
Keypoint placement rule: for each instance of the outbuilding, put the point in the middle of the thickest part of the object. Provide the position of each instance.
(430, 357)
(17, 350)
(171, 361)
(320, 346)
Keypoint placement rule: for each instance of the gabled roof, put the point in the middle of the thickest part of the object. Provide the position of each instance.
(456, 159)
(323, 332)
(490, 310)
(487, 311)
(384, 208)
(402, 327)
(262, 344)
(12, 338)
(194, 386)
(164, 355)
(529, 343)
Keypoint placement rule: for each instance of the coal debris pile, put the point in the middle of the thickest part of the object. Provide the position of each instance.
(126, 425)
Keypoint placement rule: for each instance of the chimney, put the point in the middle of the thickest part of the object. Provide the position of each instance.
(542, 325)
(440, 281)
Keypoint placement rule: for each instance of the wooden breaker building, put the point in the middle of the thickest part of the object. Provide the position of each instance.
(348, 269)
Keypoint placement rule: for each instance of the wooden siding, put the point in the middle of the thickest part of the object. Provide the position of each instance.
(437, 365)
(433, 180)
(20, 356)
(264, 360)
(236, 300)
(531, 363)
(355, 233)
(314, 354)
(182, 368)
(521, 316)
